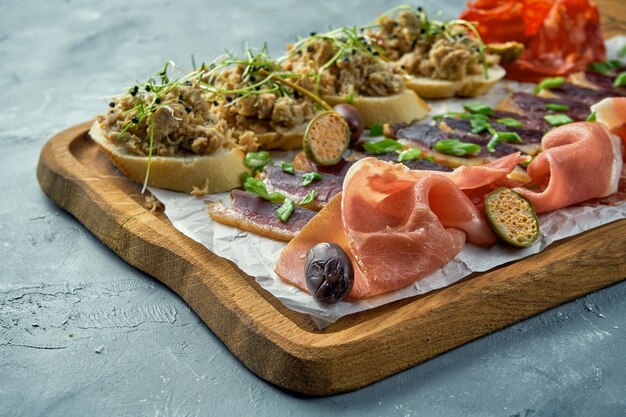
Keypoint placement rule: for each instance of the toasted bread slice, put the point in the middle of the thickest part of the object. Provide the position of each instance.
(472, 86)
(291, 139)
(218, 172)
(403, 107)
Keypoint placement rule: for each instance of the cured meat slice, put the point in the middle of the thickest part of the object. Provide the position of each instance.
(561, 36)
(256, 215)
(397, 225)
(578, 94)
(291, 185)
(533, 106)
(579, 161)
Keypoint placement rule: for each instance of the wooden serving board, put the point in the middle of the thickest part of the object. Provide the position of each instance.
(284, 347)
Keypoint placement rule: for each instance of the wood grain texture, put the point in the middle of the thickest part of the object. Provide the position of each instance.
(284, 347)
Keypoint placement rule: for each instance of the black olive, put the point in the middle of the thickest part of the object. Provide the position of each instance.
(328, 272)
(353, 118)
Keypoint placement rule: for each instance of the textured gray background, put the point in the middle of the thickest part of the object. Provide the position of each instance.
(64, 295)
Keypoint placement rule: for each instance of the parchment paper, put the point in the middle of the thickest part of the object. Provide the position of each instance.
(256, 255)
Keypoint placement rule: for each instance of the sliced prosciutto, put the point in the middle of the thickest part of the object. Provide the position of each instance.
(256, 215)
(580, 161)
(395, 224)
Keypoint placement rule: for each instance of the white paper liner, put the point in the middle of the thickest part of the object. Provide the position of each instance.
(256, 255)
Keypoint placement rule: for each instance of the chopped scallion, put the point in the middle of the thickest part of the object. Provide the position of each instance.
(557, 107)
(382, 146)
(287, 167)
(376, 130)
(309, 177)
(620, 80)
(409, 154)
(557, 119)
(456, 147)
(548, 83)
(285, 211)
(509, 121)
(479, 108)
(308, 199)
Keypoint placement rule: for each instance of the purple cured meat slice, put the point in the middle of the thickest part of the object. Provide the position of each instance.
(291, 185)
(256, 215)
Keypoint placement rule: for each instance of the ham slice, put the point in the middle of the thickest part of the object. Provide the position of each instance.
(395, 224)
(579, 161)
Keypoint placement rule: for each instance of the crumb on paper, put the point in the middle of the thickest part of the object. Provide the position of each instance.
(152, 203)
(201, 192)
(99, 349)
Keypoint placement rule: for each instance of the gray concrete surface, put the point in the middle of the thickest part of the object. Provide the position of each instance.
(84, 334)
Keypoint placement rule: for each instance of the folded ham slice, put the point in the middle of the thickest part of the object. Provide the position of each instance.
(397, 225)
(579, 161)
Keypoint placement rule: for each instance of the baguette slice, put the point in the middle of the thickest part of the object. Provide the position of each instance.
(403, 107)
(473, 86)
(291, 139)
(222, 170)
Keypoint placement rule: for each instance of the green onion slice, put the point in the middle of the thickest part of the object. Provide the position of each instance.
(557, 119)
(376, 130)
(509, 121)
(308, 199)
(309, 177)
(257, 187)
(548, 83)
(287, 167)
(557, 107)
(383, 146)
(409, 154)
(285, 211)
(620, 80)
(257, 160)
(508, 137)
(479, 108)
(456, 147)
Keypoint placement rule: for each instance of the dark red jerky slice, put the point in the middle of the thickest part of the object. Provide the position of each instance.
(581, 94)
(262, 212)
(527, 135)
(415, 164)
(421, 134)
(605, 82)
(427, 135)
(530, 103)
(286, 183)
(530, 121)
